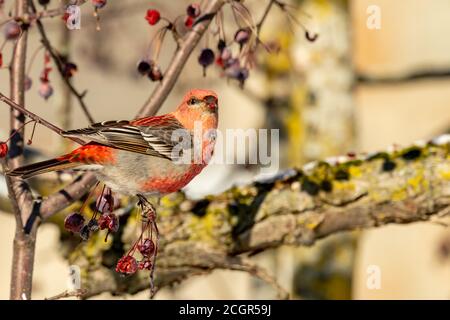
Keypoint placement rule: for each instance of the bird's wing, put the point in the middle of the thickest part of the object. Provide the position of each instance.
(154, 136)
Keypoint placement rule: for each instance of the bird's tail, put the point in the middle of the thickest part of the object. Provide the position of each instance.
(31, 170)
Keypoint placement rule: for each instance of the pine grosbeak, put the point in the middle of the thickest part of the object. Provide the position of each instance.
(137, 157)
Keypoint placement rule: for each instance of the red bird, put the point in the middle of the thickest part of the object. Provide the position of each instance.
(143, 156)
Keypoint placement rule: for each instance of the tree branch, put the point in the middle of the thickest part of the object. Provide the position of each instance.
(297, 207)
(49, 13)
(19, 192)
(36, 118)
(184, 50)
(59, 65)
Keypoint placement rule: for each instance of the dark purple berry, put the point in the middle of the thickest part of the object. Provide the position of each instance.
(193, 10)
(147, 247)
(69, 69)
(44, 2)
(221, 45)
(28, 82)
(144, 67)
(206, 58)
(74, 222)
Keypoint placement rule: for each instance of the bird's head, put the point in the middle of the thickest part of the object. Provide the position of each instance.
(200, 100)
(198, 105)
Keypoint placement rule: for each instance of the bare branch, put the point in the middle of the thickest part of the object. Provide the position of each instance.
(36, 118)
(59, 65)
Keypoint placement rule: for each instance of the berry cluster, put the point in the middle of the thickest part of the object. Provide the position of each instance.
(146, 245)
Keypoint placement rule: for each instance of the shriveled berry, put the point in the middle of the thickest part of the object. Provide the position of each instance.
(152, 17)
(3, 149)
(28, 82)
(193, 10)
(108, 221)
(127, 265)
(69, 69)
(145, 265)
(99, 3)
(147, 247)
(1, 59)
(45, 90)
(144, 67)
(12, 30)
(107, 203)
(74, 222)
(155, 73)
(242, 36)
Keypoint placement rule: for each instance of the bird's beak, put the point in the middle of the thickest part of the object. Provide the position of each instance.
(211, 102)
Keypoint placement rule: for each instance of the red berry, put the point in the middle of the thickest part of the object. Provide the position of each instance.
(45, 90)
(152, 17)
(99, 3)
(127, 265)
(74, 222)
(193, 10)
(108, 221)
(12, 30)
(145, 265)
(1, 60)
(147, 247)
(3, 149)
(189, 22)
(65, 16)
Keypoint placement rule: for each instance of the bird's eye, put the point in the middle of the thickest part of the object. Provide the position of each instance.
(192, 101)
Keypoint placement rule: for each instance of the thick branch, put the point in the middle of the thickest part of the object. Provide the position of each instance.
(297, 207)
(19, 193)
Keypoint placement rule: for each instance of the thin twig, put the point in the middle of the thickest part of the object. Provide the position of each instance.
(36, 118)
(68, 294)
(59, 65)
